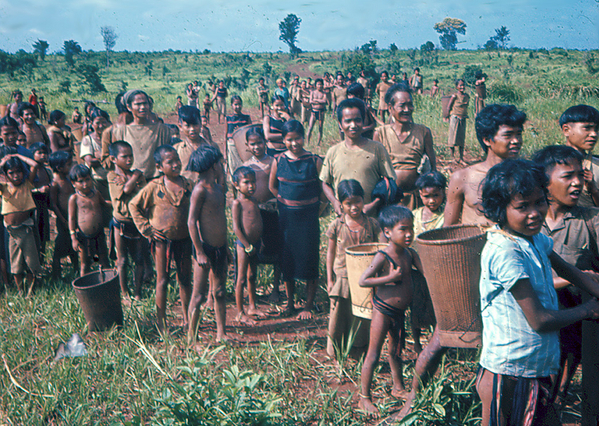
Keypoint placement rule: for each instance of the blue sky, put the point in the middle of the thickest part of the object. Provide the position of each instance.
(252, 25)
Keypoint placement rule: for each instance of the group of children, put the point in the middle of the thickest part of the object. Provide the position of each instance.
(277, 207)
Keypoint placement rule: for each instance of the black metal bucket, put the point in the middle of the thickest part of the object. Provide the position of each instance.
(99, 295)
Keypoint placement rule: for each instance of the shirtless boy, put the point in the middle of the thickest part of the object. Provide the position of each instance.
(339, 92)
(260, 163)
(247, 225)
(262, 90)
(499, 132)
(76, 117)
(381, 90)
(207, 225)
(160, 212)
(124, 184)
(85, 219)
(390, 275)
(33, 131)
(318, 102)
(60, 192)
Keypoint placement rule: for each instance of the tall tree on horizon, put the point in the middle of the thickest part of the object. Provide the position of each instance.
(41, 47)
(71, 48)
(502, 36)
(289, 27)
(448, 31)
(109, 36)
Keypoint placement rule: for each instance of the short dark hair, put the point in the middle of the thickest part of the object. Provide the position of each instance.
(79, 171)
(25, 106)
(431, 180)
(236, 98)
(579, 114)
(97, 112)
(119, 104)
(351, 103)
(204, 158)
(390, 216)
(55, 116)
(39, 146)
(254, 131)
(553, 155)
(318, 80)
(115, 148)
(293, 126)
(241, 172)
(387, 191)
(59, 159)
(397, 87)
(356, 90)
(15, 163)
(491, 117)
(349, 188)
(160, 151)
(8, 121)
(189, 114)
(506, 180)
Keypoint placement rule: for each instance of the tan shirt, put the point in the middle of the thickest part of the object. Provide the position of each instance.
(367, 164)
(17, 198)
(90, 147)
(185, 149)
(144, 140)
(408, 154)
(120, 200)
(156, 207)
(460, 105)
(591, 164)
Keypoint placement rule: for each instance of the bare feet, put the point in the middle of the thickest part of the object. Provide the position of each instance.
(399, 393)
(305, 315)
(257, 313)
(367, 406)
(242, 318)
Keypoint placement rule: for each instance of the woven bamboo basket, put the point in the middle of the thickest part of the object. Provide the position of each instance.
(451, 261)
(357, 259)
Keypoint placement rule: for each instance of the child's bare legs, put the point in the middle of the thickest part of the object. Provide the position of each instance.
(140, 265)
(29, 283)
(85, 264)
(19, 282)
(310, 126)
(219, 281)
(378, 331)
(243, 263)
(416, 333)
(183, 264)
(160, 261)
(200, 282)
(338, 323)
(320, 127)
(425, 368)
(306, 313)
(484, 388)
(252, 272)
(290, 290)
(121, 262)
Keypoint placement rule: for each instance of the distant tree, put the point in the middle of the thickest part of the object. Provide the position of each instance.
(373, 47)
(448, 32)
(71, 48)
(491, 44)
(428, 47)
(41, 47)
(366, 49)
(393, 48)
(89, 74)
(289, 27)
(109, 36)
(502, 36)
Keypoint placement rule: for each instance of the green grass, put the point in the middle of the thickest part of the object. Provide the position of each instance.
(132, 376)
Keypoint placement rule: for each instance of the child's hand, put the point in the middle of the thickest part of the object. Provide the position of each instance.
(75, 243)
(202, 260)
(330, 285)
(589, 182)
(593, 306)
(157, 235)
(394, 275)
(338, 208)
(120, 180)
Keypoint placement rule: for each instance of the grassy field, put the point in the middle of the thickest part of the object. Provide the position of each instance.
(135, 377)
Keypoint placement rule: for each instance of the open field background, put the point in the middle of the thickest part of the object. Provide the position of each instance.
(279, 373)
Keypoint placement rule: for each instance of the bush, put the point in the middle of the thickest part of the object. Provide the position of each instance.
(505, 92)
